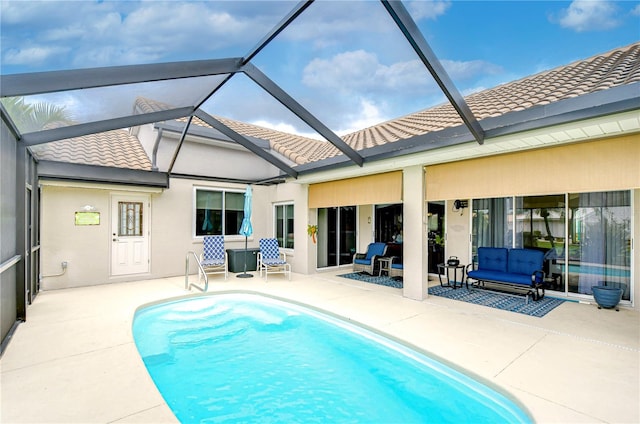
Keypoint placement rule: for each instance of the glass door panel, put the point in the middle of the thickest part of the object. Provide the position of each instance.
(540, 225)
(347, 234)
(600, 248)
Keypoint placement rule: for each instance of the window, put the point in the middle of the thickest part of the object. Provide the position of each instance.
(218, 212)
(129, 219)
(284, 225)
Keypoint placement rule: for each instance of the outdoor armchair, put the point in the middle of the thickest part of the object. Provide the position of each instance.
(271, 260)
(366, 262)
(214, 258)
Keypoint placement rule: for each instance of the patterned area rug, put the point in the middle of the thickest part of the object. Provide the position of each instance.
(383, 281)
(498, 301)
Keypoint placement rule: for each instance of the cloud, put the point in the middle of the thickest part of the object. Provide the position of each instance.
(635, 11)
(127, 32)
(361, 71)
(427, 9)
(589, 15)
(368, 115)
(32, 55)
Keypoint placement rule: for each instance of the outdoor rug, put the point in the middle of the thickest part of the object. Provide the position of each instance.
(498, 301)
(383, 281)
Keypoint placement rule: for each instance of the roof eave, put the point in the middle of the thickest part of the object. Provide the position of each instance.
(101, 174)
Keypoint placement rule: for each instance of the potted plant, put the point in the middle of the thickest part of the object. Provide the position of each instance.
(312, 230)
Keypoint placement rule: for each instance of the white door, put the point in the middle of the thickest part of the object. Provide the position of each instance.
(130, 234)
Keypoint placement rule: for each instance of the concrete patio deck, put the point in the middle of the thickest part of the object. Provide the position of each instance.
(74, 360)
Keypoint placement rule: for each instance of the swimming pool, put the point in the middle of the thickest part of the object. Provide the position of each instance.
(249, 358)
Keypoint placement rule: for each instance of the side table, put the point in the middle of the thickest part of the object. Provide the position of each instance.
(444, 269)
(384, 264)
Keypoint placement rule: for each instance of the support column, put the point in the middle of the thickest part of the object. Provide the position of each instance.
(414, 252)
(21, 230)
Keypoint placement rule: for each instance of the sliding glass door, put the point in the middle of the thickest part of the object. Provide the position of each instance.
(336, 236)
(586, 237)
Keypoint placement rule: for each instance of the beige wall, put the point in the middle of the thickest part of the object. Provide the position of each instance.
(87, 249)
(457, 230)
(366, 218)
(84, 248)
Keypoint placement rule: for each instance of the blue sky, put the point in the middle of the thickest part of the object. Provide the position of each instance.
(345, 61)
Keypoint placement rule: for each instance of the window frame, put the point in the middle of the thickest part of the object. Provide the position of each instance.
(194, 210)
(284, 220)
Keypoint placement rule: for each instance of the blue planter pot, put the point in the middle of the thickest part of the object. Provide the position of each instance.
(607, 297)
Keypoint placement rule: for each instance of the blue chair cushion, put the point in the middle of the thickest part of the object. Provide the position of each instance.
(375, 249)
(397, 266)
(362, 261)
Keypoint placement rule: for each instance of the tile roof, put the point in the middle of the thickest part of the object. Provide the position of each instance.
(111, 148)
(296, 148)
(615, 68)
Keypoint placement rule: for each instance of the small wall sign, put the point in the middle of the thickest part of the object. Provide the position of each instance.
(87, 218)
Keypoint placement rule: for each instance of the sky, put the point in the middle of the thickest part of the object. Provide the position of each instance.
(344, 61)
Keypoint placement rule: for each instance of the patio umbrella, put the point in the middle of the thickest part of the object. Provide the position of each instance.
(246, 229)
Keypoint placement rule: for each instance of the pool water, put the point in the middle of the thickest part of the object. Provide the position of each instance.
(249, 358)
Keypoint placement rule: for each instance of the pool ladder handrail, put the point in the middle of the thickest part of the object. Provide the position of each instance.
(201, 272)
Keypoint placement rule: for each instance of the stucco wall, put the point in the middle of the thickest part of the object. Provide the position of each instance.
(86, 249)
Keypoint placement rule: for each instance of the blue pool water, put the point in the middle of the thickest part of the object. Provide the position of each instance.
(249, 358)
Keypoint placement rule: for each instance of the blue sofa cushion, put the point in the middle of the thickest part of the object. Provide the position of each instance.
(492, 259)
(505, 277)
(525, 261)
(374, 249)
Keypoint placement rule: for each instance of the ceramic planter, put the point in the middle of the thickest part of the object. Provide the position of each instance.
(607, 297)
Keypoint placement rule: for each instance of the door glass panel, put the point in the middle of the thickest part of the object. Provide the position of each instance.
(129, 219)
(388, 223)
(540, 224)
(347, 234)
(492, 223)
(600, 248)
(436, 211)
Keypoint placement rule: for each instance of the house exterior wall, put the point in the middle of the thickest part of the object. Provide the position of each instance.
(84, 248)
(87, 249)
(224, 160)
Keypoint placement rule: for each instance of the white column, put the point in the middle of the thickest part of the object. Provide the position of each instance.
(415, 275)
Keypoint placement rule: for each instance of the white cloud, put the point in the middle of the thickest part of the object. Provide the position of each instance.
(360, 70)
(369, 115)
(32, 55)
(635, 11)
(428, 9)
(589, 15)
